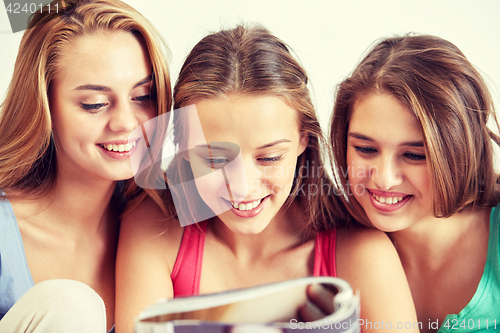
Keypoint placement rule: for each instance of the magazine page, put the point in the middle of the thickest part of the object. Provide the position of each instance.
(272, 307)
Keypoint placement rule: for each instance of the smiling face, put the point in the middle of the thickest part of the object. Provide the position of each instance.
(256, 141)
(100, 94)
(387, 167)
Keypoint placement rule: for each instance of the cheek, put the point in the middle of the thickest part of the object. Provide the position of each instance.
(419, 178)
(66, 131)
(198, 168)
(147, 114)
(357, 169)
(280, 176)
(211, 187)
(274, 180)
(59, 122)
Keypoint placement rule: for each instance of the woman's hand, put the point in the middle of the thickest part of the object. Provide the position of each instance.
(319, 304)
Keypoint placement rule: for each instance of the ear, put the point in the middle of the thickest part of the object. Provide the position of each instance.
(304, 141)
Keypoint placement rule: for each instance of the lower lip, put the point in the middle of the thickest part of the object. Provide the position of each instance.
(253, 212)
(384, 207)
(117, 154)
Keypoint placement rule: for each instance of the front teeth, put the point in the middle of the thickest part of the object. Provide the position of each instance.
(389, 200)
(248, 206)
(119, 148)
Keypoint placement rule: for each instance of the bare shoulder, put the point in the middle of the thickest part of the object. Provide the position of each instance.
(147, 250)
(367, 248)
(148, 229)
(368, 260)
(361, 238)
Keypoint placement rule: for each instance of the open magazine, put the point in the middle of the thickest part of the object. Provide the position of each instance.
(262, 309)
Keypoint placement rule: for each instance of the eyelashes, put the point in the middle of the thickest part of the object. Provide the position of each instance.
(369, 152)
(271, 160)
(216, 162)
(415, 157)
(365, 150)
(143, 98)
(93, 107)
(219, 162)
(96, 107)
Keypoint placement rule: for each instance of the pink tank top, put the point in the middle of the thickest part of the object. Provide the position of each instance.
(187, 268)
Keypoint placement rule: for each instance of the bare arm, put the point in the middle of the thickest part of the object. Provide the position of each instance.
(368, 260)
(146, 251)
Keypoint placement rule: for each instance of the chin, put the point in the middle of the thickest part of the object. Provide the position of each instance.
(117, 178)
(386, 223)
(246, 227)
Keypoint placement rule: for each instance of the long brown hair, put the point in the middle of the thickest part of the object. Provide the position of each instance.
(27, 152)
(252, 61)
(449, 98)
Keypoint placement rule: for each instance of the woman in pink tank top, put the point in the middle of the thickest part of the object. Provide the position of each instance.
(248, 200)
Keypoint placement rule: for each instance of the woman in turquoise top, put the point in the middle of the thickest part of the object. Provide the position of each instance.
(416, 160)
(88, 73)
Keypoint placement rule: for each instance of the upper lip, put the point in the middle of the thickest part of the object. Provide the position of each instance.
(118, 142)
(247, 201)
(387, 194)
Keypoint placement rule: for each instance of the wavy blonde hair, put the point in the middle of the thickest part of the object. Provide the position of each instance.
(27, 152)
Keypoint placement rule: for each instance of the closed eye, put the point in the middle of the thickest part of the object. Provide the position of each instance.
(270, 160)
(143, 98)
(216, 162)
(415, 157)
(365, 150)
(93, 107)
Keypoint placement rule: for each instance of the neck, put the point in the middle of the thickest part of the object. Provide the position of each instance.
(283, 232)
(80, 204)
(432, 240)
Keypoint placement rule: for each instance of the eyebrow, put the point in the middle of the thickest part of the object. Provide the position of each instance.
(144, 81)
(367, 138)
(107, 89)
(93, 87)
(212, 147)
(274, 143)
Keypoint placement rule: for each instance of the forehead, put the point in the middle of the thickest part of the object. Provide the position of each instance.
(247, 119)
(103, 55)
(382, 117)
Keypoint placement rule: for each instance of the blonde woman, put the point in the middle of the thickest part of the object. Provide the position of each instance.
(85, 77)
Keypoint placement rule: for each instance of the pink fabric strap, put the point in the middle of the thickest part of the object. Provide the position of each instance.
(324, 254)
(187, 268)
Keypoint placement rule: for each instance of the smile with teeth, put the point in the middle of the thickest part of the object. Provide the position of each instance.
(247, 206)
(389, 200)
(118, 148)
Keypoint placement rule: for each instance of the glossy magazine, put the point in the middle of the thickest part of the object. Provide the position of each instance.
(266, 309)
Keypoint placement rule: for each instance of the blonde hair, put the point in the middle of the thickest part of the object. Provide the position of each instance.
(450, 100)
(27, 152)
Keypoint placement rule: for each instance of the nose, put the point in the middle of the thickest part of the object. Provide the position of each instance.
(387, 173)
(123, 118)
(242, 178)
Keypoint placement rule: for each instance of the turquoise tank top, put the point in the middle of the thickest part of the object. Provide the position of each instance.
(482, 314)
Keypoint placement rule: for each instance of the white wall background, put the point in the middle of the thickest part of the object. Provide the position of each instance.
(329, 37)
